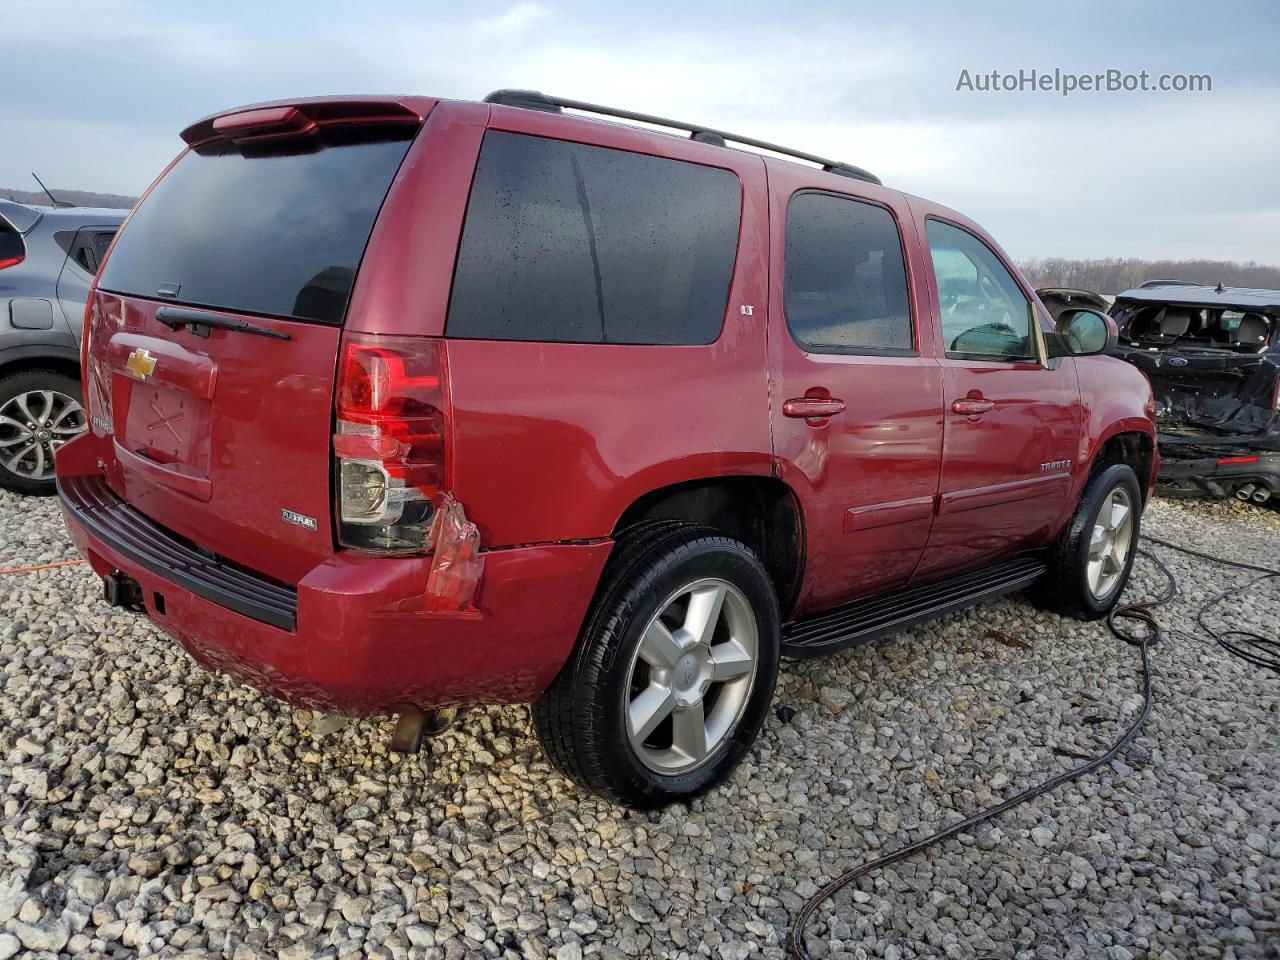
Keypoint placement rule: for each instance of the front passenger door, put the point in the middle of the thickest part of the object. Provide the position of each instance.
(1011, 416)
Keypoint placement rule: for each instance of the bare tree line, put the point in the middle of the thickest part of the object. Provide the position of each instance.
(81, 198)
(1108, 276)
(1115, 275)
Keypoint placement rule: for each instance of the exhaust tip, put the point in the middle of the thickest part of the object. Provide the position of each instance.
(412, 725)
(1245, 492)
(1261, 495)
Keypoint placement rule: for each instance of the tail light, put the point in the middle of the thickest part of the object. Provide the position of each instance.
(389, 448)
(10, 262)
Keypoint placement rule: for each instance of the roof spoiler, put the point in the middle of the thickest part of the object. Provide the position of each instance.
(19, 216)
(293, 119)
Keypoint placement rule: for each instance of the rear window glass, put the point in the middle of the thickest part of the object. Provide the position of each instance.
(277, 231)
(573, 243)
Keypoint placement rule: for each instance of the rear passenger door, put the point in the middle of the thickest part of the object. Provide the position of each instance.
(857, 401)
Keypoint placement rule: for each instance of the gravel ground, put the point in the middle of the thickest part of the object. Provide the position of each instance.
(151, 808)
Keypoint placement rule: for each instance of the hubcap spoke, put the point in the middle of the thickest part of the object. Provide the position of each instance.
(691, 676)
(12, 463)
(689, 732)
(658, 647)
(1097, 543)
(1109, 543)
(70, 408)
(22, 400)
(648, 710)
(729, 660)
(13, 424)
(703, 614)
(24, 437)
(1119, 515)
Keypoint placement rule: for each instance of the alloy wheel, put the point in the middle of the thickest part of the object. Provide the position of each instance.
(691, 676)
(1110, 543)
(32, 426)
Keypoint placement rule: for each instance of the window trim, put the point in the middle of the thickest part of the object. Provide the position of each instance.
(912, 313)
(738, 238)
(1041, 356)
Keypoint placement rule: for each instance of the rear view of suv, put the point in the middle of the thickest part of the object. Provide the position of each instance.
(48, 257)
(401, 404)
(1212, 354)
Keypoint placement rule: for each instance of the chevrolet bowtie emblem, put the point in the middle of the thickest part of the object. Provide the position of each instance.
(141, 363)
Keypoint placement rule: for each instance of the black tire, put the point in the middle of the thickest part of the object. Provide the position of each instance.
(1065, 588)
(15, 385)
(580, 719)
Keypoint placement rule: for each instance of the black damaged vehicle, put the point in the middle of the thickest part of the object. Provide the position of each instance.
(1212, 354)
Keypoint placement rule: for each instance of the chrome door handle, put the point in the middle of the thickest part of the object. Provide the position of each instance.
(812, 408)
(972, 407)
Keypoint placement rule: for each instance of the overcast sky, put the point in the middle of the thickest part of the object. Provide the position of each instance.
(96, 93)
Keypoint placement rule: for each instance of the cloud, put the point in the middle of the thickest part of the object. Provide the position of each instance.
(88, 155)
(1165, 175)
(515, 20)
(125, 28)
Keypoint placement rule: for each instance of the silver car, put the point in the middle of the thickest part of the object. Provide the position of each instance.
(48, 256)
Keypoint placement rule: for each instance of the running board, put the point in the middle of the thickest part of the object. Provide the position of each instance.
(874, 617)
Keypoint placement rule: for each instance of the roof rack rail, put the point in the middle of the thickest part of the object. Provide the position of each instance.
(533, 100)
(1171, 283)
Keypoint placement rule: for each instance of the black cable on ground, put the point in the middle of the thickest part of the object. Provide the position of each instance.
(1252, 647)
(1248, 645)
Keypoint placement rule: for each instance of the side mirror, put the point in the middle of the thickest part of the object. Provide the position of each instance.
(1084, 333)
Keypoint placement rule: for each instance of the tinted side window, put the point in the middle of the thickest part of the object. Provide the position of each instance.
(574, 243)
(101, 240)
(846, 285)
(11, 246)
(985, 315)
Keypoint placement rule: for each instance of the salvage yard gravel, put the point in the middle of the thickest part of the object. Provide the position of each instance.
(151, 808)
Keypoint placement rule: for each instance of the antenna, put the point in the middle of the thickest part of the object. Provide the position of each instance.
(52, 199)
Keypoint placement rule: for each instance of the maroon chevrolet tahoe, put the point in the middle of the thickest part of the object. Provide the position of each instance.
(403, 404)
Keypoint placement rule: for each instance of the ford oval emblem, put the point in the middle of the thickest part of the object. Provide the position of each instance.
(1178, 361)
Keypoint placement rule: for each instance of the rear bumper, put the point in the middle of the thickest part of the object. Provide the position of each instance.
(357, 645)
(1219, 476)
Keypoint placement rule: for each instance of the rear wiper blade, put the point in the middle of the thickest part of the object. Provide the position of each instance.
(199, 322)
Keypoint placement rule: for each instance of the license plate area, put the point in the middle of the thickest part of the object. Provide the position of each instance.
(165, 425)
